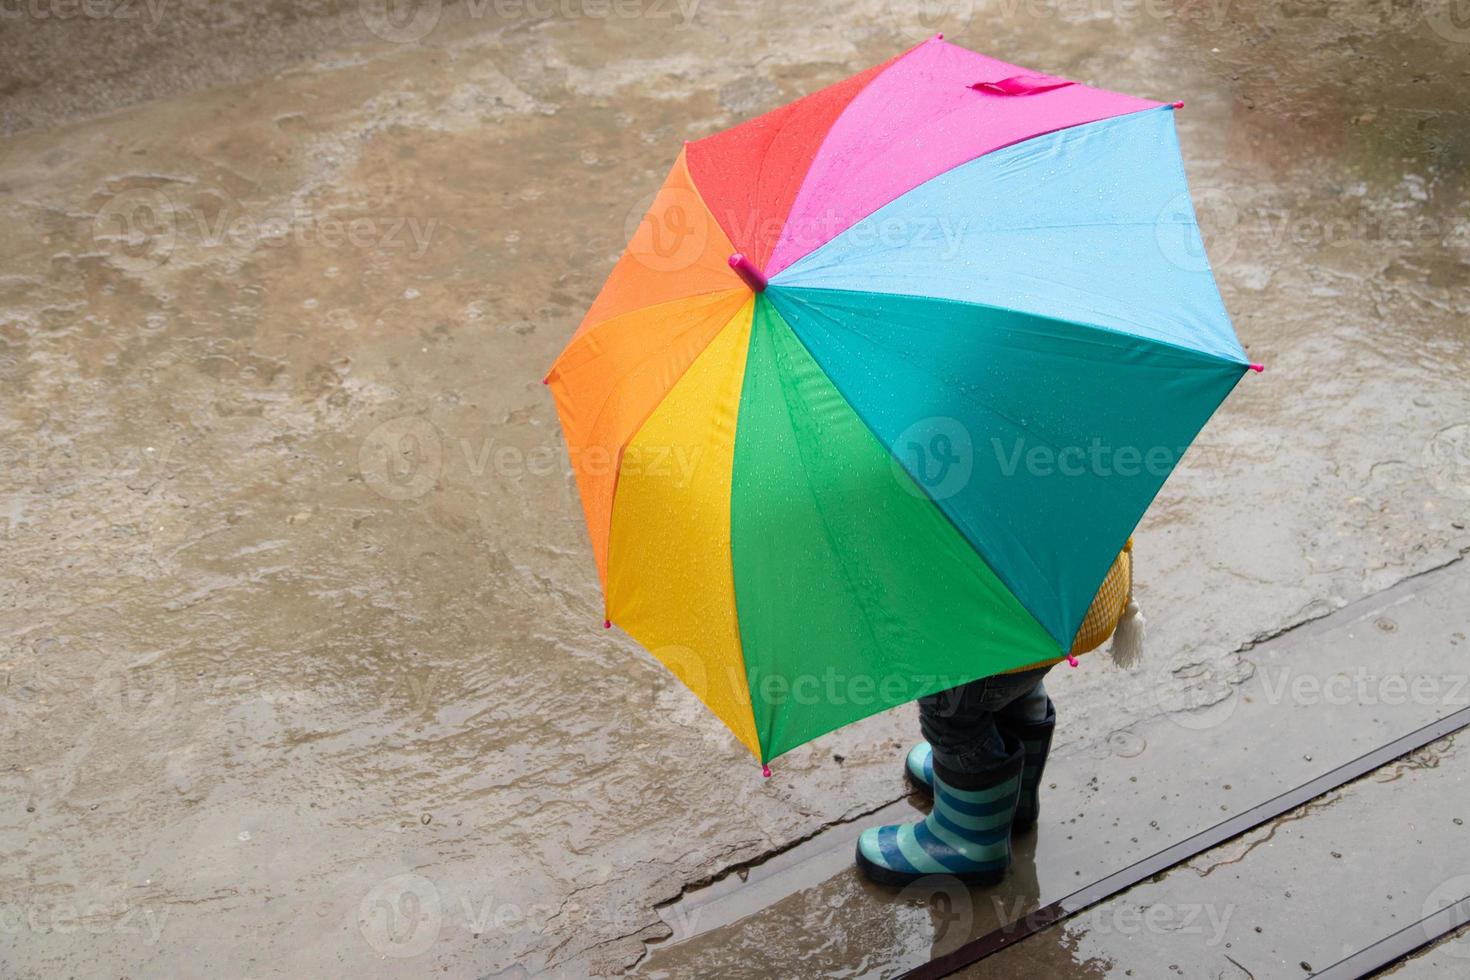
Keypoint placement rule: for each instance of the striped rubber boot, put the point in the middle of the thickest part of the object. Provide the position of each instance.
(1035, 738)
(919, 767)
(966, 836)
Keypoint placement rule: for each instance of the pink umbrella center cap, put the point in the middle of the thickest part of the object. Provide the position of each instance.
(745, 269)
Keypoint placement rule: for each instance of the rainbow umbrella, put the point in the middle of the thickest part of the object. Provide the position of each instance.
(884, 381)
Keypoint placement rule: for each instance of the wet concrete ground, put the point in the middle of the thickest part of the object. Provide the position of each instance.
(1312, 700)
(302, 672)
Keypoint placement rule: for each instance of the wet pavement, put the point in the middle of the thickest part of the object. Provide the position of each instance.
(1313, 699)
(302, 663)
(1294, 897)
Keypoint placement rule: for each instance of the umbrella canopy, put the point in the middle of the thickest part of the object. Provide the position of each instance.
(884, 381)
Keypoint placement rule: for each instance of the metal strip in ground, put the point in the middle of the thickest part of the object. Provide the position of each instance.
(1105, 888)
(1407, 941)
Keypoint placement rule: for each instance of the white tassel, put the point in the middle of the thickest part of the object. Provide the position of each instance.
(1127, 648)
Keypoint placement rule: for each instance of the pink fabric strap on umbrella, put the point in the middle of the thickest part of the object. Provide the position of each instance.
(1022, 85)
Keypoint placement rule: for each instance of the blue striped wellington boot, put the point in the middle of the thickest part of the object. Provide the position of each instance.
(1035, 738)
(966, 836)
(919, 767)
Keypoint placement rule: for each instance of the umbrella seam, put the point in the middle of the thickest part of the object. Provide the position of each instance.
(1210, 359)
(974, 546)
(1215, 356)
(590, 336)
(739, 642)
(1060, 603)
(623, 444)
(883, 69)
(1178, 163)
(1085, 122)
(807, 484)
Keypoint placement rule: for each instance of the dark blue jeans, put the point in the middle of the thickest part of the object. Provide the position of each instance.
(961, 723)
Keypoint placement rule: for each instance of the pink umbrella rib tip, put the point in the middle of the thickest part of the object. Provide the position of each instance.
(746, 270)
(1258, 368)
(607, 624)
(766, 772)
(1071, 660)
(1178, 105)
